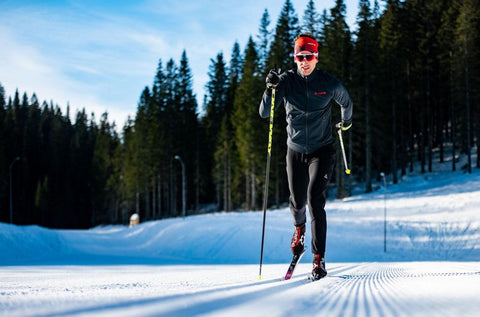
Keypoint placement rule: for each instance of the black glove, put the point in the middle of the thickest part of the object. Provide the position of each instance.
(344, 125)
(273, 78)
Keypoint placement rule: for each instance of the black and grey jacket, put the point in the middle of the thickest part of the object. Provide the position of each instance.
(308, 110)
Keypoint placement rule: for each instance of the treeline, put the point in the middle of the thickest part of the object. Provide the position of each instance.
(412, 70)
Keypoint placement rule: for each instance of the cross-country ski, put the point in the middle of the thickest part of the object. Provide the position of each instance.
(291, 268)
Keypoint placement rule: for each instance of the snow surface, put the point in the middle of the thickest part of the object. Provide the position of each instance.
(208, 264)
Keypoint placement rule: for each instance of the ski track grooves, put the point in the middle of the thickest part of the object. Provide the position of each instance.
(369, 294)
(350, 289)
(379, 289)
(354, 290)
(200, 302)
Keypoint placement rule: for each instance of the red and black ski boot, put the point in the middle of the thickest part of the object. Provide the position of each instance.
(319, 270)
(298, 249)
(298, 240)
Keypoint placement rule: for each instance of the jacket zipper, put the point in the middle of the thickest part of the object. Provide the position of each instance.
(306, 116)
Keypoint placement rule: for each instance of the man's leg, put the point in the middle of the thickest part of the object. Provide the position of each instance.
(297, 172)
(320, 170)
(321, 165)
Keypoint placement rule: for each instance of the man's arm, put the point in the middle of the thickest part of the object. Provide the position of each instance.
(342, 97)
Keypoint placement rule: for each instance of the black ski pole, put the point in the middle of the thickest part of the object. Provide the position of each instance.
(267, 176)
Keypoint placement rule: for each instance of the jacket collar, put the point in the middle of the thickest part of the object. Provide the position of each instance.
(309, 76)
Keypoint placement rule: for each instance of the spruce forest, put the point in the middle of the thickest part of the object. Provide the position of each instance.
(412, 70)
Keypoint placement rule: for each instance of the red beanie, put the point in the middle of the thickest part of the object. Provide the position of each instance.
(306, 44)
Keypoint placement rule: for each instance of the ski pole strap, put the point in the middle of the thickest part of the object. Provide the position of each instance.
(347, 171)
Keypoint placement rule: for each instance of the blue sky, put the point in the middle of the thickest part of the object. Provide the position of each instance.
(99, 55)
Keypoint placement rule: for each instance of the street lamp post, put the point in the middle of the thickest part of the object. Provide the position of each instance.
(384, 213)
(183, 185)
(11, 195)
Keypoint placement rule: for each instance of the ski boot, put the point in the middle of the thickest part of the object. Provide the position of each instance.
(319, 270)
(298, 240)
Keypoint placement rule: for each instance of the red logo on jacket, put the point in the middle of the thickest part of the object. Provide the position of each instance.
(320, 93)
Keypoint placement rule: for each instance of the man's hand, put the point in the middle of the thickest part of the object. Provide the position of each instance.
(273, 78)
(344, 125)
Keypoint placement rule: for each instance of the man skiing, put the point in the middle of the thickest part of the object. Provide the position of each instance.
(306, 93)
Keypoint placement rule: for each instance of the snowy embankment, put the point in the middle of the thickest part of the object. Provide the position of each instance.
(178, 266)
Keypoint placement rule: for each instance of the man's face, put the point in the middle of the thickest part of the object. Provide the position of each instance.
(306, 62)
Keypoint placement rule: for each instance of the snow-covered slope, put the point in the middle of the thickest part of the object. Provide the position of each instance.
(429, 217)
(208, 264)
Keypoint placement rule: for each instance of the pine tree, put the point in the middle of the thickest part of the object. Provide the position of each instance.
(81, 148)
(444, 37)
(102, 170)
(3, 100)
(311, 20)
(225, 149)
(3, 156)
(364, 59)
(58, 169)
(32, 151)
(45, 212)
(215, 110)
(170, 117)
(282, 47)
(18, 122)
(335, 54)
(223, 164)
(426, 45)
(142, 152)
(389, 78)
(323, 25)
(234, 76)
(264, 39)
(468, 69)
(128, 170)
(157, 138)
(217, 94)
(187, 111)
(248, 129)
(335, 58)
(281, 57)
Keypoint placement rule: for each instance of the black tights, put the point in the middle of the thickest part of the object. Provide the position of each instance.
(308, 177)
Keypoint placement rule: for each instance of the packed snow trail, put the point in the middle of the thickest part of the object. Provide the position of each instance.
(350, 289)
(208, 264)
